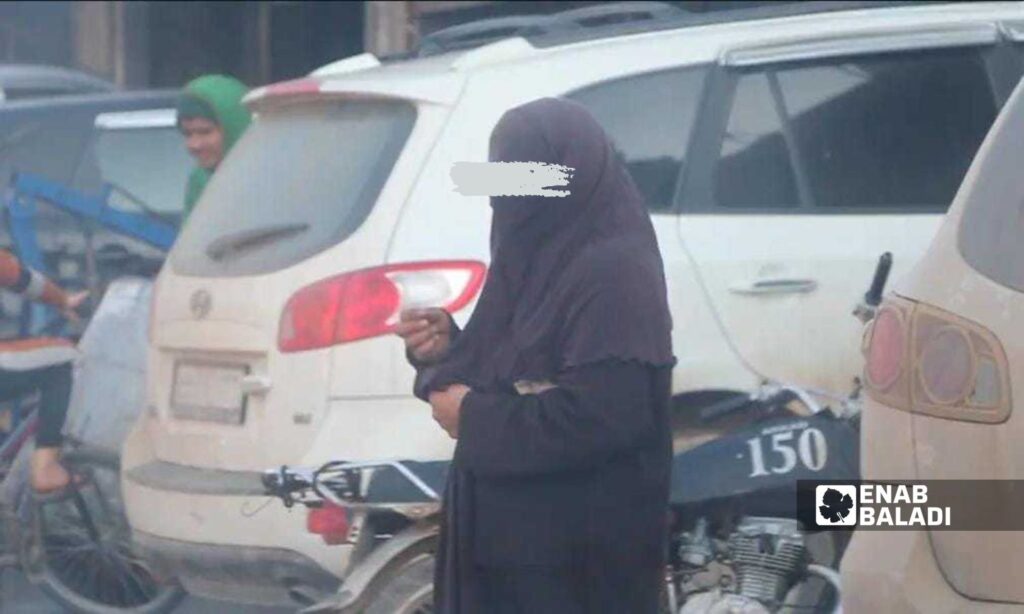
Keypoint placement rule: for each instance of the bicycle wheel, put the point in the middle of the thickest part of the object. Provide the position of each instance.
(83, 542)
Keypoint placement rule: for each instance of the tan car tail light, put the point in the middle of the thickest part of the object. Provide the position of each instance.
(929, 361)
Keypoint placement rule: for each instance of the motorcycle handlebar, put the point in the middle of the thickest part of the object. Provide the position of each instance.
(769, 396)
(332, 481)
(874, 295)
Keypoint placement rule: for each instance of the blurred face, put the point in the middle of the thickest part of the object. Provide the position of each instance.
(204, 140)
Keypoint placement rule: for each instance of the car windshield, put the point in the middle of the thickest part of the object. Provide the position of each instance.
(301, 179)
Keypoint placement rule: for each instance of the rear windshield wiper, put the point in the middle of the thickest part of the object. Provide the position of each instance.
(248, 239)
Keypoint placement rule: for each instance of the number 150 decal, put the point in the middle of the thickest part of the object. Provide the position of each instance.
(786, 449)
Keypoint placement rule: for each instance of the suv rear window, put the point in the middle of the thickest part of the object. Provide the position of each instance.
(878, 132)
(301, 179)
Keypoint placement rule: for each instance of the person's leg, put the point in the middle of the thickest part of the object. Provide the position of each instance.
(54, 385)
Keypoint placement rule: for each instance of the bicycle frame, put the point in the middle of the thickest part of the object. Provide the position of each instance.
(17, 438)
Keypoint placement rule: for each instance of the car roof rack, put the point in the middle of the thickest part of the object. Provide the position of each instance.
(618, 12)
(690, 19)
(618, 19)
(483, 31)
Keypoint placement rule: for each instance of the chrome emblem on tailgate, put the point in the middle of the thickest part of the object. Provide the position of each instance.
(200, 304)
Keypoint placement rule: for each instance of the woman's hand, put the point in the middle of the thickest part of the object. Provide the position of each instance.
(447, 405)
(427, 333)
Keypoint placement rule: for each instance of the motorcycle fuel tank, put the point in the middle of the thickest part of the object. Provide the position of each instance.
(757, 467)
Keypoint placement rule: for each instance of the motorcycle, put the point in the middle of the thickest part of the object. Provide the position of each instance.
(737, 545)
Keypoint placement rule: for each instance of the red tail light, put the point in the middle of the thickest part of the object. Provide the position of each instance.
(887, 349)
(933, 362)
(330, 522)
(366, 303)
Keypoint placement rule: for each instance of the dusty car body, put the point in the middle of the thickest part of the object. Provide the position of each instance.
(945, 370)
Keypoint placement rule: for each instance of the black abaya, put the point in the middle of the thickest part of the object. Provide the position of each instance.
(560, 498)
(557, 501)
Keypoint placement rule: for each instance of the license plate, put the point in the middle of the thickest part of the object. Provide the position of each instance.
(210, 392)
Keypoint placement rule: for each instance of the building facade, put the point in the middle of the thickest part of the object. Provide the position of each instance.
(164, 44)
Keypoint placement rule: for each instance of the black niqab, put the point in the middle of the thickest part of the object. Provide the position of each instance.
(551, 255)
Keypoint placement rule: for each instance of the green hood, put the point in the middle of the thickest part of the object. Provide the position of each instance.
(221, 96)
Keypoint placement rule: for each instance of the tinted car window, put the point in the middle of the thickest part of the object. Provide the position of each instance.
(649, 119)
(300, 180)
(890, 131)
(47, 146)
(149, 165)
(754, 168)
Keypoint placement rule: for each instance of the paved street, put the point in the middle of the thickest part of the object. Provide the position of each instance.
(20, 597)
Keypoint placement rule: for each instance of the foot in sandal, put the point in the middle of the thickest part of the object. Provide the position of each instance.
(47, 473)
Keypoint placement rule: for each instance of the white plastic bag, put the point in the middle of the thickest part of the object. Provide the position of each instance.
(110, 374)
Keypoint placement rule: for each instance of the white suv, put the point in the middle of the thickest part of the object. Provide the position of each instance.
(779, 155)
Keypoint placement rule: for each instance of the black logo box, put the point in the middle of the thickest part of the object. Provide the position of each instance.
(975, 505)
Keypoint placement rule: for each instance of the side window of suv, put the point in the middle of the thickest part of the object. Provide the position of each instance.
(880, 132)
(649, 119)
(754, 167)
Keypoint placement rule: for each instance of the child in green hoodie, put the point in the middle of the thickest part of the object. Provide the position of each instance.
(211, 117)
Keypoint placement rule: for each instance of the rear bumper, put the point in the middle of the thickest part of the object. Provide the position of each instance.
(244, 574)
(230, 546)
(181, 512)
(161, 475)
(216, 532)
(895, 572)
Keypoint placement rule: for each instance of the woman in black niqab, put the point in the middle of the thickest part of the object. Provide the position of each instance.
(558, 490)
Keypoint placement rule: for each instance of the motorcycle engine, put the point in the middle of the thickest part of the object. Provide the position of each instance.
(767, 556)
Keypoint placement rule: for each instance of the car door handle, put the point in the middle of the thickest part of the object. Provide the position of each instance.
(777, 285)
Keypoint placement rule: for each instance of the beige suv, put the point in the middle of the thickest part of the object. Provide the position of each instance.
(945, 355)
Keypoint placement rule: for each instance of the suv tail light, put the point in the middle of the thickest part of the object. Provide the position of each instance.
(887, 349)
(929, 361)
(366, 303)
(946, 366)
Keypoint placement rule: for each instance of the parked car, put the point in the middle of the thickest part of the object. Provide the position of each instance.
(126, 140)
(945, 358)
(23, 81)
(780, 150)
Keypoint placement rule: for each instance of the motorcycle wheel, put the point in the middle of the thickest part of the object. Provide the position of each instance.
(409, 591)
(82, 546)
